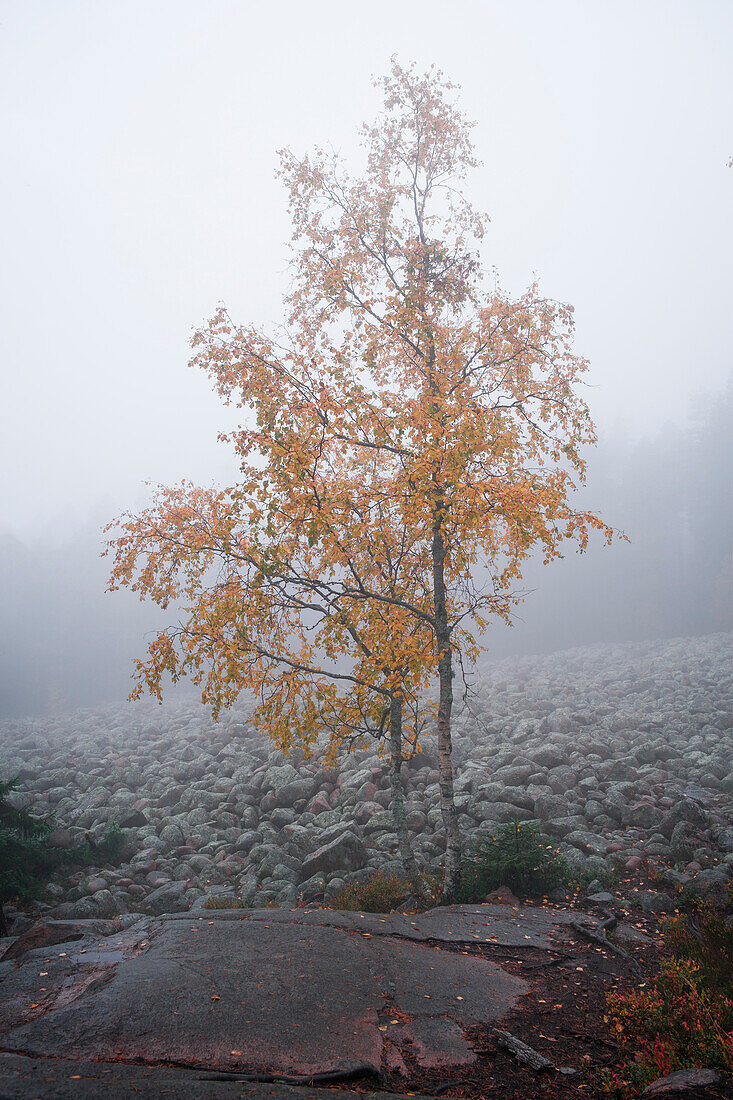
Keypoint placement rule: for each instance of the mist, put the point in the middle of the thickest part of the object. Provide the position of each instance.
(67, 643)
(141, 191)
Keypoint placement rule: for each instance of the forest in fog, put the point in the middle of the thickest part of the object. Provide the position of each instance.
(67, 643)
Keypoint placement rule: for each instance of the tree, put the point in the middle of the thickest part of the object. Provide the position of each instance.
(408, 425)
(268, 608)
(27, 855)
(25, 860)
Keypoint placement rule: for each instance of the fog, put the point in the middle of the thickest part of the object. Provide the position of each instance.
(140, 149)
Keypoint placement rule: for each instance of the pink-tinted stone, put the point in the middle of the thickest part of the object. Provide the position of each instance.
(319, 804)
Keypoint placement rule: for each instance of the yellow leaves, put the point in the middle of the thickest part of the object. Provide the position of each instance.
(403, 404)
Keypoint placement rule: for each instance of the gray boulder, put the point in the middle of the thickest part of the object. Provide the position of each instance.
(685, 810)
(170, 898)
(653, 902)
(589, 843)
(345, 853)
(109, 905)
(85, 909)
(712, 885)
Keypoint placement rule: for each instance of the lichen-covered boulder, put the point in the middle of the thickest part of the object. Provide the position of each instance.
(345, 853)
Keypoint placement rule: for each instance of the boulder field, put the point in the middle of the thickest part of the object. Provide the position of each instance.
(623, 752)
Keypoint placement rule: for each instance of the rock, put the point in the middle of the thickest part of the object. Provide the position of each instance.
(109, 905)
(85, 909)
(247, 840)
(313, 889)
(134, 820)
(381, 822)
(711, 885)
(518, 773)
(282, 816)
(601, 898)
(643, 815)
(685, 810)
(501, 896)
(550, 756)
(561, 826)
(500, 812)
(345, 853)
(49, 932)
(550, 806)
(170, 898)
(333, 889)
(319, 804)
(703, 795)
(684, 1080)
(290, 793)
(562, 779)
(172, 835)
(575, 859)
(60, 838)
(587, 842)
(365, 811)
(683, 841)
(653, 902)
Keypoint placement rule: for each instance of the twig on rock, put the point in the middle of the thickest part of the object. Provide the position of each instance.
(598, 935)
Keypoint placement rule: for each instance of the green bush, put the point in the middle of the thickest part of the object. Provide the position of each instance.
(89, 851)
(379, 893)
(26, 860)
(517, 856)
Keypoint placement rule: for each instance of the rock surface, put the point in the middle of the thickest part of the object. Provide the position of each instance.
(682, 1083)
(292, 992)
(26, 1078)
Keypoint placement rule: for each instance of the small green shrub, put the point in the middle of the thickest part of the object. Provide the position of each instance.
(379, 893)
(25, 859)
(90, 852)
(517, 856)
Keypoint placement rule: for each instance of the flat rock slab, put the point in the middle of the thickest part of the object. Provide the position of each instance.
(276, 991)
(501, 925)
(298, 993)
(26, 1078)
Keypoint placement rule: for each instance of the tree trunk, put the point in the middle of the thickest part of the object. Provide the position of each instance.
(452, 881)
(398, 800)
(3, 923)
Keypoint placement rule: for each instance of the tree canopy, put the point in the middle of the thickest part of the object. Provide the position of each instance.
(406, 425)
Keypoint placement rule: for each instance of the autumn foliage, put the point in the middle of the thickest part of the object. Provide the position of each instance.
(406, 433)
(683, 1016)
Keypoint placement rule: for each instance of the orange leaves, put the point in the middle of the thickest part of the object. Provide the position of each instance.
(404, 408)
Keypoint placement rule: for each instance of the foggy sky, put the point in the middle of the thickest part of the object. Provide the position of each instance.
(138, 191)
